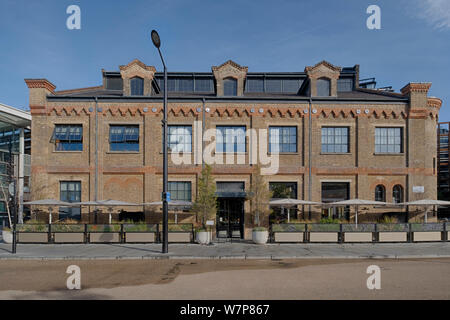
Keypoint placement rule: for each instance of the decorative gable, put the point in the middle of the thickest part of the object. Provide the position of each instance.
(323, 70)
(229, 69)
(137, 68)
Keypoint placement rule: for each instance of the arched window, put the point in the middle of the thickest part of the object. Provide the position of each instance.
(229, 87)
(137, 86)
(380, 193)
(397, 194)
(323, 87)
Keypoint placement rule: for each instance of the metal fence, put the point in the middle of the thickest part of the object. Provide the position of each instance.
(365, 232)
(99, 233)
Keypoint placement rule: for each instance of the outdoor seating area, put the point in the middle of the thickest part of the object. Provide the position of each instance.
(323, 231)
(361, 233)
(102, 233)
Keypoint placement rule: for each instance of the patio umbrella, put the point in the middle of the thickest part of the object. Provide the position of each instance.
(287, 203)
(172, 203)
(356, 203)
(50, 203)
(425, 203)
(106, 203)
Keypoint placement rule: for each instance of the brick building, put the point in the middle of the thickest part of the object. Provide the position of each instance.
(335, 140)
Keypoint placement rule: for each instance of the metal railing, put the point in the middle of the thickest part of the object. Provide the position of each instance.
(407, 229)
(81, 233)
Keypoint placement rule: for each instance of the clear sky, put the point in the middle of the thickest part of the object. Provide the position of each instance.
(413, 44)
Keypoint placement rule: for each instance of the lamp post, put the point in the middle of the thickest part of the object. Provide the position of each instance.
(157, 43)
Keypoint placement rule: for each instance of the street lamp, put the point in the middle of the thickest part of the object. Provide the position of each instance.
(157, 43)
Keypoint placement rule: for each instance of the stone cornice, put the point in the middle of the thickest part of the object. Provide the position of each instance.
(434, 102)
(40, 83)
(240, 111)
(421, 87)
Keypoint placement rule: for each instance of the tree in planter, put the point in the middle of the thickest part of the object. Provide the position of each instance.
(205, 205)
(259, 197)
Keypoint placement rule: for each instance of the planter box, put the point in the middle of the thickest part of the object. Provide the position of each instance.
(358, 237)
(427, 236)
(68, 237)
(41, 237)
(288, 236)
(179, 236)
(393, 236)
(104, 237)
(139, 237)
(323, 237)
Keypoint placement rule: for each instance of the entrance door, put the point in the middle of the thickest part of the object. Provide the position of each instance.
(230, 218)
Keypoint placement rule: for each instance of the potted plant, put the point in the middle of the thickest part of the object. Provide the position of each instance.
(7, 235)
(259, 197)
(205, 204)
(203, 236)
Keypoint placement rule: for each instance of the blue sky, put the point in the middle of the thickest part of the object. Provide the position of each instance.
(284, 35)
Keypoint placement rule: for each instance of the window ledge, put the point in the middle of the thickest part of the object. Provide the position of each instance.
(55, 151)
(123, 152)
(336, 153)
(171, 152)
(388, 154)
(284, 153)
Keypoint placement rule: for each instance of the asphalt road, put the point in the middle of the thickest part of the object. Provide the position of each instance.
(226, 279)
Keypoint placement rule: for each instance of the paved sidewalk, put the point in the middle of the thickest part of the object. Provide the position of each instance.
(226, 251)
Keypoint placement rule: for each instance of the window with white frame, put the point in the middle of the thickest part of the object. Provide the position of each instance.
(388, 140)
(230, 139)
(180, 138)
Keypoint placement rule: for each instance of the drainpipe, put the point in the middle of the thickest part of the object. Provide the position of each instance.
(96, 151)
(203, 129)
(309, 155)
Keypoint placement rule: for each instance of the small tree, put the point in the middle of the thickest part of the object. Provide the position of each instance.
(205, 205)
(259, 197)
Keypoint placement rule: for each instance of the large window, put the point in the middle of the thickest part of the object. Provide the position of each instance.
(397, 194)
(282, 190)
(204, 85)
(180, 190)
(68, 137)
(180, 138)
(335, 140)
(323, 87)
(380, 193)
(124, 138)
(388, 140)
(345, 85)
(230, 87)
(282, 139)
(333, 192)
(137, 86)
(272, 85)
(70, 191)
(230, 139)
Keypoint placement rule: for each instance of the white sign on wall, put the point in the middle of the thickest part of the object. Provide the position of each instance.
(418, 189)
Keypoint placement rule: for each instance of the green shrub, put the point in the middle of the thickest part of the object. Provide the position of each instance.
(329, 221)
(259, 229)
(180, 227)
